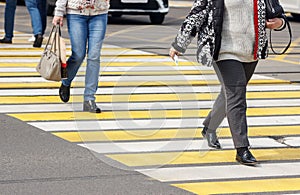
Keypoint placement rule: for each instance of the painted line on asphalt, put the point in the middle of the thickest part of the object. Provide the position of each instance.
(173, 145)
(213, 173)
(78, 125)
(286, 132)
(202, 157)
(276, 185)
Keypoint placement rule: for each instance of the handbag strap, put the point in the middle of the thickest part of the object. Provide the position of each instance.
(54, 36)
(50, 36)
(290, 41)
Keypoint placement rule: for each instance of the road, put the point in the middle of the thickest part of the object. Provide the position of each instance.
(147, 140)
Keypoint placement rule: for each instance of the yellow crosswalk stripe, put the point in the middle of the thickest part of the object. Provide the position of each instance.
(161, 134)
(276, 185)
(107, 64)
(142, 98)
(214, 156)
(119, 73)
(131, 83)
(141, 114)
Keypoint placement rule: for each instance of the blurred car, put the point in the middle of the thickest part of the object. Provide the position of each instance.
(155, 9)
(291, 6)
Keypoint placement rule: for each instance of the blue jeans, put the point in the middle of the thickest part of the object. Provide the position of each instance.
(82, 30)
(38, 13)
(9, 18)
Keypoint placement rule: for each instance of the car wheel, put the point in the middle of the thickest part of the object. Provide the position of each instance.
(296, 16)
(50, 10)
(157, 18)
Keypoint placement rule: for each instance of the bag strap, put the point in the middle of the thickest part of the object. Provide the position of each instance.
(50, 36)
(54, 36)
(290, 41)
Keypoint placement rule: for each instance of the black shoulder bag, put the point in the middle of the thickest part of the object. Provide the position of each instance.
(275, 10)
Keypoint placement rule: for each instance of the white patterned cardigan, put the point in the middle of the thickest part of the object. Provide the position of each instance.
(201, 21)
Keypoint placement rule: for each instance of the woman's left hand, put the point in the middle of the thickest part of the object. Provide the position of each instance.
(274, 23)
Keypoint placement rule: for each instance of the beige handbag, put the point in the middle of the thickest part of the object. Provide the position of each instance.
(49, 66)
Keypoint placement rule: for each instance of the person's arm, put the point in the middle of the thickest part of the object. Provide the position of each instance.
(60, 9)
(190, 27)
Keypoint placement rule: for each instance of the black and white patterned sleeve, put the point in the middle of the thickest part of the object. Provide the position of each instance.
(191, 25)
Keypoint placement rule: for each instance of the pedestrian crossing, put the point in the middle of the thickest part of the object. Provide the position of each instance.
(152, 119)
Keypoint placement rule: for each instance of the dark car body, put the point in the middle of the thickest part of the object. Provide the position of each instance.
(155, 9)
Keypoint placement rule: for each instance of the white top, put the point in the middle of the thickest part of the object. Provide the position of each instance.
(238, 34)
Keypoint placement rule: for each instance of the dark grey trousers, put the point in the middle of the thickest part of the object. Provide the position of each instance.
(231, 102)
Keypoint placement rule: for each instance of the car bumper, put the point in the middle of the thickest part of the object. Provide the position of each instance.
(151, 6)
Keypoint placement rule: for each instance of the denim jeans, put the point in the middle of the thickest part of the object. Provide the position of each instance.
(85, 30)
(38, 13)
(231, 102)
(9, 18)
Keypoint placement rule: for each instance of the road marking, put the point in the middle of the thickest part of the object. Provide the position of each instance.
(57, 106)
(153, 101)
(237, 172)
(196, 157)
(171, 145)
(48, 84)
(247, 186)
(152, 114)
(166, 134)
(95, 124)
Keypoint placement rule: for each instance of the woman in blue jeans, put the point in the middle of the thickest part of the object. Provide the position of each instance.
(38, 13)
(87, 21)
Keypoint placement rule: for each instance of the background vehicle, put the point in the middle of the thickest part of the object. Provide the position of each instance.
(291, 6)
(156, 9)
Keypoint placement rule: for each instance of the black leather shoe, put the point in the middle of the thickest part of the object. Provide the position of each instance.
(246, 158)
(6, 40)
(90, 106)
(64, 93)
(212, 139)
(38, 40)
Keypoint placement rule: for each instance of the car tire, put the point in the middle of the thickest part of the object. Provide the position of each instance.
(157, 18)
(50, 10)
(296, 16)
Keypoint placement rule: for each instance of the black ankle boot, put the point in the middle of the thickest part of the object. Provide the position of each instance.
(90, 106)
(64, 93)
(211, 137)
(6, 40)
(38, 40)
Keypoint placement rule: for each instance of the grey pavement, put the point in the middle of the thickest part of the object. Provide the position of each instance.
(36, 162)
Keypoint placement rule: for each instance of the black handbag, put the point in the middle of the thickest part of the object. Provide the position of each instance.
(275, 10)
